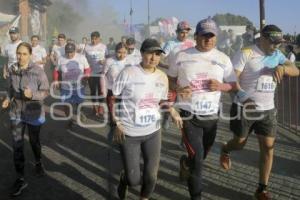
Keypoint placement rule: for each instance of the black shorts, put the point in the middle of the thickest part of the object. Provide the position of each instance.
(262, 122)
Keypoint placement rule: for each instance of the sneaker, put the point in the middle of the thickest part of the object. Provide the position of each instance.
(39, 169)
(264, 195)
(225, 161)
(184, 171)
(71, 125)
(122, 187)
(18, 187)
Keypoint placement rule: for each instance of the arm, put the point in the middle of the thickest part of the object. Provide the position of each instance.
(43, 88)
(290, 69)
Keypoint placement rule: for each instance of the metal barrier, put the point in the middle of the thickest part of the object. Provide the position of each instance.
(287, 101)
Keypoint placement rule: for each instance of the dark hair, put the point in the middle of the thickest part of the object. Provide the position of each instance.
(35, 36)
(61, 35)
(119, 46)
(26, 45)
(290, 48)
(130, 41)
(95, 34)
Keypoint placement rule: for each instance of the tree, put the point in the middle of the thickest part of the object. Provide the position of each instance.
(288, 38)
(231, 20)
(298, 40)
(63, 17)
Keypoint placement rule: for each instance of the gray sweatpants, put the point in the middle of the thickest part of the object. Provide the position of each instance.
(149, 147)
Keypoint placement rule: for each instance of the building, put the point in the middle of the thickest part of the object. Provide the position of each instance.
(29, 15)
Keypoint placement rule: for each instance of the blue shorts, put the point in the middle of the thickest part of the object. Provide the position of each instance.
(72, 96)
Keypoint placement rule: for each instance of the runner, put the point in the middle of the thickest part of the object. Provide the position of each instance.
(172, 47)
(181, 42)
(113, 67)
(39, 54)
(70, 68)
(9, 50)
(82, 45)
(124, 39)
(259, 69)
(58, 50)
(134, 55)
(142, 89)
(27, 89)
(95, 54)
(198, 77)
(111, 46)
(291, 55)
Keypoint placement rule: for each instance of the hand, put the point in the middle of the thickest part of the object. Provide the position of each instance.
(185, 92)
(249, 104)
(279, 73)
(176, 118)
(5, 73)
(28, 93)
(5, 103)
(102, 62)
(119, 136)
(40, 62)
(56, 84)
(214, 85)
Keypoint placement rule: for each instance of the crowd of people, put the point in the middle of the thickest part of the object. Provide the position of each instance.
(143, 88)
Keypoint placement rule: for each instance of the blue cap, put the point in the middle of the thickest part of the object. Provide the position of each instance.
(207, 26)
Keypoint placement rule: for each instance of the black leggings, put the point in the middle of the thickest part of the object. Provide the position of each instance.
(95, 88)
(18, 130)
(198, 136)
(131, 149)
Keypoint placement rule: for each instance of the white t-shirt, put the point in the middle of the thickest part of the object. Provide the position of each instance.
(38, 54)
(172, 47)
(141, 93)
(81, 48)
(134, 58)
(10, 51)
(95, 53)
(58, 51)
(113, 68)
(256, 74)
(291, 56)
(71, 70)
(194, 68)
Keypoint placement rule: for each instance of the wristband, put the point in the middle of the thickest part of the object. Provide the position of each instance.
(242, 95)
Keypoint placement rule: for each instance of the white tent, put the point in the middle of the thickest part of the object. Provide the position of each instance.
(5, 18)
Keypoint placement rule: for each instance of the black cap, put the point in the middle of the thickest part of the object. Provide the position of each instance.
(273, 33)
(14, 30)
(95, 34)
(151, 45)
(70, 48)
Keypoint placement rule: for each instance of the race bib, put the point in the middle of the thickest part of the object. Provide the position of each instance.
(204, 103)
(146, 116)
(265, 84)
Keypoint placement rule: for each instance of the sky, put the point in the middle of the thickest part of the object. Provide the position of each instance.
(283, 13)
